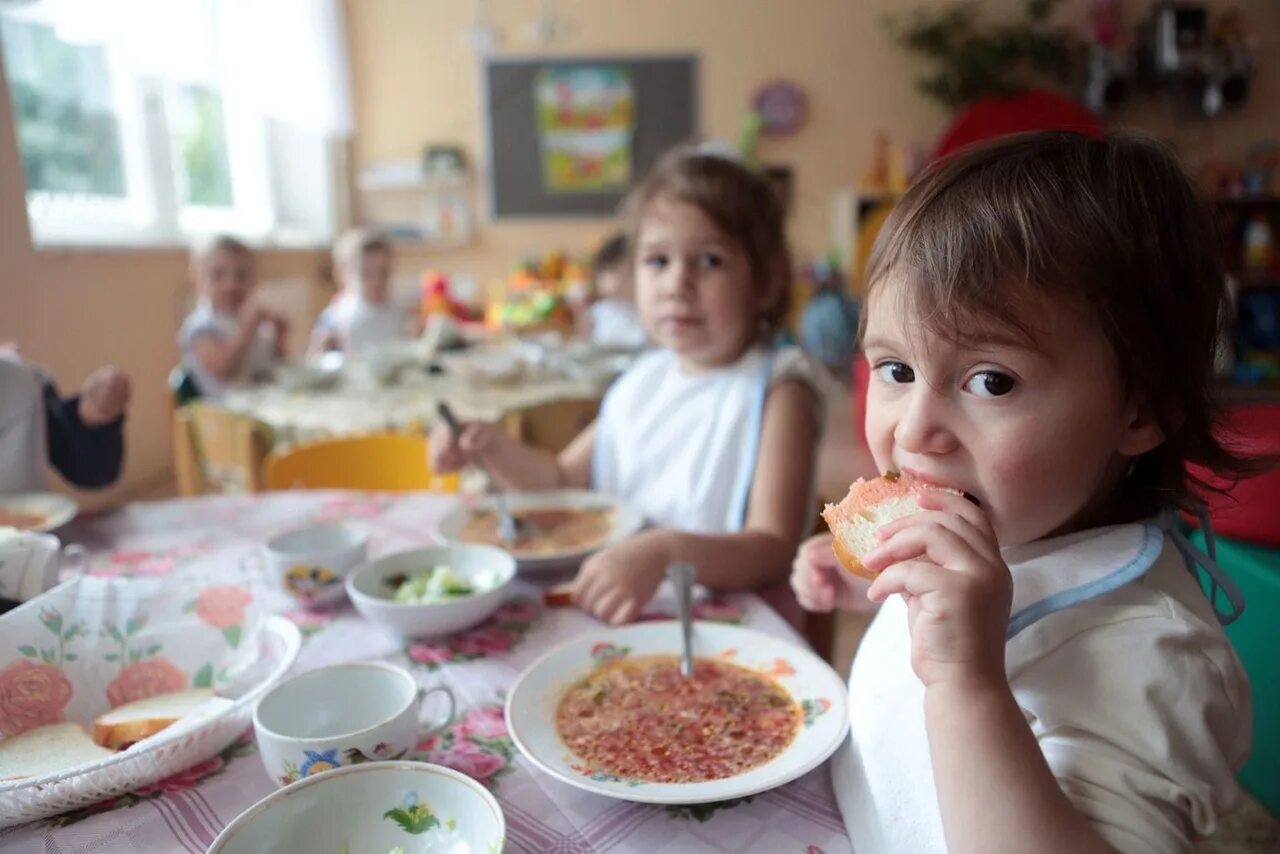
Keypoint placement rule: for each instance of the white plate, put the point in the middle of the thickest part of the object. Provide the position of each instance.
(162, 755)
(379, 806)
(56, 509)
(626, 521)
(532, 704)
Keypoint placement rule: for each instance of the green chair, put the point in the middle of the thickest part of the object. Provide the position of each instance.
(1256, 569)
(183, 387)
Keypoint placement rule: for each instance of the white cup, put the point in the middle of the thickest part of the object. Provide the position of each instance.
(311, 563)
(30, 563)
(344, 714)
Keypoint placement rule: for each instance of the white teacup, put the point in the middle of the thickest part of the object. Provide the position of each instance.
(30, 563)
(311, 563)
(345, 714)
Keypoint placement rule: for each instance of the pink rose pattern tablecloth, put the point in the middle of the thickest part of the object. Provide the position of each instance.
(185, 812)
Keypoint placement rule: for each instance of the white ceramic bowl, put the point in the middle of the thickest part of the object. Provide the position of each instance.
(372, 595)
(375, 807)
(53, 508)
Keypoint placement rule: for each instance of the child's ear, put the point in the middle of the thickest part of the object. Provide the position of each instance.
(1141, 433)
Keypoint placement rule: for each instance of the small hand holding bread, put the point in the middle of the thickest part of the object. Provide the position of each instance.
(870, 504)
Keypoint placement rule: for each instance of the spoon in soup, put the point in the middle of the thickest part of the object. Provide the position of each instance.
(681, 575)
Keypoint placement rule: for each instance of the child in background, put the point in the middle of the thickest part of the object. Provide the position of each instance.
(361, 316)
(81, 436)
(1040, 320)
(229, 338)
(713, 435)
(612, 318)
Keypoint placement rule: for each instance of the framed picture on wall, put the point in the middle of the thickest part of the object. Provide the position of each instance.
(569, 136)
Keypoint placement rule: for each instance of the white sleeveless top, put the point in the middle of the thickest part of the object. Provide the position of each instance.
(682, 447)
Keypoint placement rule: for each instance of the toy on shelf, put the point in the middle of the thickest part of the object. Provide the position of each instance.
(829, 322)
(538, 296)
(437, 301)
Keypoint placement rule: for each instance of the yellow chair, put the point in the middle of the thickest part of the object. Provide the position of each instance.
(217, 450)
(552, 426)
(381, 462)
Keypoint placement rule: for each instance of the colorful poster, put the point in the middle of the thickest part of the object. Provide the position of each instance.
(585, 120)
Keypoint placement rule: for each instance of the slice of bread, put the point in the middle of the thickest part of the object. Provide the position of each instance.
(47, 750)
(870, 504)
(135, 721)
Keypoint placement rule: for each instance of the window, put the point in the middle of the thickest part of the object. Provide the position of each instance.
(135, 133)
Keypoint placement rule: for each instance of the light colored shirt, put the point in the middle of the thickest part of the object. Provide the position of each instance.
(22, 428)
(258, 360)
(360, 325)
(1115, 657)
(614, 323)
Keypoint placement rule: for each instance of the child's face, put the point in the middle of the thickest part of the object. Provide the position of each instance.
(371, 276)
(1041, 437)
(226, 277)
(612, 283)
(693, 286)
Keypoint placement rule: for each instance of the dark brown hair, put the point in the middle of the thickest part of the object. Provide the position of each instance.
(610, 254)
(354, 243)
(741, 204)
(999, 230)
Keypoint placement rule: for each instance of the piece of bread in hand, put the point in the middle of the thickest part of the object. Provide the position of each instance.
(47, 750)
(559, 596)
(135, 721)
(870, 504)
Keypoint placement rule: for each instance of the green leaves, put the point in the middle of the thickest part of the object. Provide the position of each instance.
(977, 60)
(203, 677)
(232, 634)
(417, 819)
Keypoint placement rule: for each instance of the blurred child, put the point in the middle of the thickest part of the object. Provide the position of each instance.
(713, 435)
(361, 316)
(612, 318)
(229, 338)
(81, 436)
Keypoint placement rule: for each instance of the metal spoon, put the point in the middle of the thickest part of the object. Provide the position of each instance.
(508, 526)
(681, 575)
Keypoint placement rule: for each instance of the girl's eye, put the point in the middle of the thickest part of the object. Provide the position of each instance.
(990, 384)
(710, 261)
(895, 373)
(657, 262)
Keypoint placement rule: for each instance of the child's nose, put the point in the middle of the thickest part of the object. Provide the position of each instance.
(923, 425)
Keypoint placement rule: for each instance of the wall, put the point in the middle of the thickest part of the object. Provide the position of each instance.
(73, 311)
(416, 79)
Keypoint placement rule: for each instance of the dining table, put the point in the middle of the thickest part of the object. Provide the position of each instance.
(186, 811)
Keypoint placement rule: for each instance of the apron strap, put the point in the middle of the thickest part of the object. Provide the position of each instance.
(1219, 579)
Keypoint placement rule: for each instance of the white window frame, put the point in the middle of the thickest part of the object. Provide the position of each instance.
(150, 214)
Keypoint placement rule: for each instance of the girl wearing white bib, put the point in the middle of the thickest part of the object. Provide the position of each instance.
(1045, 673)
(362, 316)
(713, 435)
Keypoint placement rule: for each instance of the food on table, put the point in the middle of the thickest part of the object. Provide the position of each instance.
(559, 595)
(21, 519)
(870, 504)
(124, 725)
(47, 750)
(548, 530)
(440, 584)
(639, 719)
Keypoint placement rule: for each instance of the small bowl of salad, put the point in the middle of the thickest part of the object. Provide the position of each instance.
(432, 591)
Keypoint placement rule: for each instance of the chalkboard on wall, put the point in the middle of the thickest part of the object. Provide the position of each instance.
(664, 90)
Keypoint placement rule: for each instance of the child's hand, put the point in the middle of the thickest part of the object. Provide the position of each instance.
(614, 584)
(946, 564)
(821, 583)
(103, 397)
(450, 453)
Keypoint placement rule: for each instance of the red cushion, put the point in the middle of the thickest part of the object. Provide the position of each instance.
(1033, 110)
(1251, 509)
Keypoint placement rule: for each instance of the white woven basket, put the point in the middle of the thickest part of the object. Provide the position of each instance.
(160, 756)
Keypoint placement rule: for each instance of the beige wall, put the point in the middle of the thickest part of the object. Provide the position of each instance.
(73, 311)
(415, 79)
